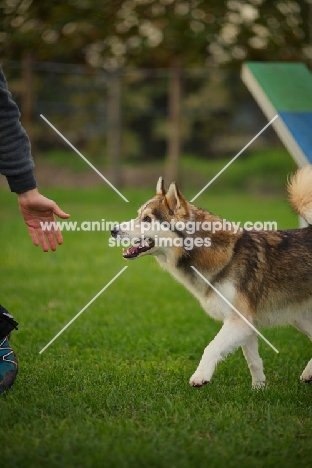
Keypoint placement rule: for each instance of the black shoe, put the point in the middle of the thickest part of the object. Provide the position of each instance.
(8, 365)
(8, 360)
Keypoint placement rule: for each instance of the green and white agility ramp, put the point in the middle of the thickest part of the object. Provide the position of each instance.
(285, 89)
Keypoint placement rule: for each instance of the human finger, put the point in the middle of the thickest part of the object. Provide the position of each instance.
(58, 236)
(60, 213)
(42, 239)
(33, 235)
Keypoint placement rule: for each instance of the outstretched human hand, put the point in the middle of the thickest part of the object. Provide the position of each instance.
(37, 209)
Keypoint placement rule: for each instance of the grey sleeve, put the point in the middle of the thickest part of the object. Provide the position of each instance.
(16, 162)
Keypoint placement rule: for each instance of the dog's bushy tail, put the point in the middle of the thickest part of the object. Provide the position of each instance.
(300, 192)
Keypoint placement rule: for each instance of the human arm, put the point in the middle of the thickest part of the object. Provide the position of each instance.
(16, 164)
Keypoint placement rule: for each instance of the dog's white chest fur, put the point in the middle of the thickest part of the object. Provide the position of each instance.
(213, 304)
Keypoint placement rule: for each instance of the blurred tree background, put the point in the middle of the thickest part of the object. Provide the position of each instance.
(137, 81)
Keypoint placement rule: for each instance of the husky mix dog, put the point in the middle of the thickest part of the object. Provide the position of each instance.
(265, 275)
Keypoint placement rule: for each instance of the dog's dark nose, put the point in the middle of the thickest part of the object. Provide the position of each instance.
(114, 231)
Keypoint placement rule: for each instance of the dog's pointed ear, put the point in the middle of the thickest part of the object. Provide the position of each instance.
(160, 187)
(175, 199)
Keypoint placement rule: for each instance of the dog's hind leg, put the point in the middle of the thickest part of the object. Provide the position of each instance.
(306, 375)
(234, 333)
(304, 324)
(254, 361)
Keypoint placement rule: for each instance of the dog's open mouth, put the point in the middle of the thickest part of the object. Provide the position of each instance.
(139, 247)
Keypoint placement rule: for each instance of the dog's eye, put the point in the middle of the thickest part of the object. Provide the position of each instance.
(147, 219)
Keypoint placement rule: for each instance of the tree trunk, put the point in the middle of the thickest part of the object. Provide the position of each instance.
(114, 128)
(174, 135)
(27, 93)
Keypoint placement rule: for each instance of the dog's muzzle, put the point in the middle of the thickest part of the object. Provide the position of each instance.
(138, 247)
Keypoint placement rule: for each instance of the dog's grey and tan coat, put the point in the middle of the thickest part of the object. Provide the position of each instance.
(266, 275)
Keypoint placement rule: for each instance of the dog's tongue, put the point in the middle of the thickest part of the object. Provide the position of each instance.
(133, 250)
(138, 247)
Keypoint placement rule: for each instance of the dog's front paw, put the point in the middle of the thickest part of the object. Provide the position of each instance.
(258, 384)
(199, 379)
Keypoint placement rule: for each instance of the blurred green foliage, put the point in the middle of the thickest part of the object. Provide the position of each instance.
(154, 33)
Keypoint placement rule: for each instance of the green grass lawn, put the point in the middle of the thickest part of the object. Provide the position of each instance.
(112, 390)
